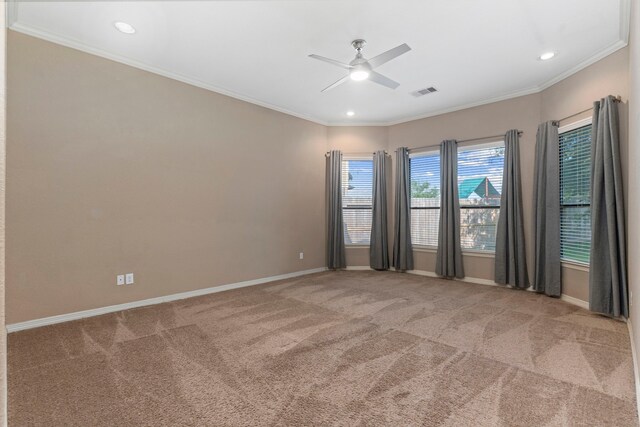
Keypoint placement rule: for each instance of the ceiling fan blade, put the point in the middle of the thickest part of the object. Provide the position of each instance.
(338, 83)
(389, 55)
(384, 81)
(331, 61)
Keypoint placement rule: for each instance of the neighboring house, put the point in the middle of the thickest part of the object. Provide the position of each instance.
(473, 188)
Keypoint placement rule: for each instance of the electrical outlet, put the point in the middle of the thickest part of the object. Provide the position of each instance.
(301, 255)
(129, 278)
(120, 279)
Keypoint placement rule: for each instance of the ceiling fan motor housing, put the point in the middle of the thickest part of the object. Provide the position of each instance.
(358, 44)
(360, 62)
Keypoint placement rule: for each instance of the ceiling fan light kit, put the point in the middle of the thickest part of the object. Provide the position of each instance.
(359, 74)
(361, 68)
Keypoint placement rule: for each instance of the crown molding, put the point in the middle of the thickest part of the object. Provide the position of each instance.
(78, 45)
(620, 44)
(510, 95)
(584, 64)
(12, 11)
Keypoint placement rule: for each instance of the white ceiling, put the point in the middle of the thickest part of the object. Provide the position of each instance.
(473, 51)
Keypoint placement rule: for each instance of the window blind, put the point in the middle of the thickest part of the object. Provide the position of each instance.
(575, 198)
(479, 188)
(425, 198)
(357, 200)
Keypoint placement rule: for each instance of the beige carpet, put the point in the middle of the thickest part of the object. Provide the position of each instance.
(335, 348)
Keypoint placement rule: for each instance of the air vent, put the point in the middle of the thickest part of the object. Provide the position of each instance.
(425, 91)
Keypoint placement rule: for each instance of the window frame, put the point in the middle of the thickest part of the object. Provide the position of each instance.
(587, 121)
(423, 153)
(496, 143)
(346, 157)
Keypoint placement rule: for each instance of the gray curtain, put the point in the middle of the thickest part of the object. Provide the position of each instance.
(378, 244)
(608, 266)
(511, 260)
(546, 201)
(402, 249)
(335, 227)
(449, 255)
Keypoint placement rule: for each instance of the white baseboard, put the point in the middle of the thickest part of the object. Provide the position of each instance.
(575, 301)
(634, 356)
(29, 324)
(488, 282)
(427, 274)
(475, 280)
(479, 281)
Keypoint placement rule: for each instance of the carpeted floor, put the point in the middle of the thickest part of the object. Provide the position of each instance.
(335, 348)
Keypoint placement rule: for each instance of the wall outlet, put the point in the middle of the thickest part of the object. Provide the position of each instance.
(120, 279)
(301, 255)
(129, 278)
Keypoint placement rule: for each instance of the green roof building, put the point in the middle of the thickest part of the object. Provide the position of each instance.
(480, 186)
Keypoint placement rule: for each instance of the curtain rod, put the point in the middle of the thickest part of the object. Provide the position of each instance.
(461, 141)
(557, 122)
(356, 154)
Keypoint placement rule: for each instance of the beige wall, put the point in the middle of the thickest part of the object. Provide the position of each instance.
(358, 140)
(3, 331)
(491, 119)
(634, 175)
(576, 93)
(609, 76)
(144, 178)
(114, 170)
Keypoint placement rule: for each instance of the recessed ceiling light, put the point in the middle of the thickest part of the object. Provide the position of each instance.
(123, 27)
(546, 56)
(350, 113)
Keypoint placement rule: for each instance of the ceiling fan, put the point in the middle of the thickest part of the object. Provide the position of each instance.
(362, 69)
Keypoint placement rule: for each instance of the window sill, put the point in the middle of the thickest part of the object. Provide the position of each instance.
(356, 246)
(575, 265)
(428, 249)
(477, 254)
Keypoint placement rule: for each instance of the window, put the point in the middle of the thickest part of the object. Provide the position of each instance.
(575, 199)
(425, 198)
(357, 200)
(479, 189)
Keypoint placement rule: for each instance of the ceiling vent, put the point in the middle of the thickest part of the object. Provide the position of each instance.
(425, 91)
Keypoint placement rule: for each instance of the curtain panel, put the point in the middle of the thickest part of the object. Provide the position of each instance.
(547, 273)
(402, 248)
(449, 255)
(379, 242)
(335, 227)
(608, 261)
(510, 257)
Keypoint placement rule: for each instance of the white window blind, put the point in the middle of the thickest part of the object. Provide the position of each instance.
(575, 200)
(479, 188)
(357, 200)
(425, 198)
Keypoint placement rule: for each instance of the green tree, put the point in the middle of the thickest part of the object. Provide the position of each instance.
(575, 183)
(423, 190)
